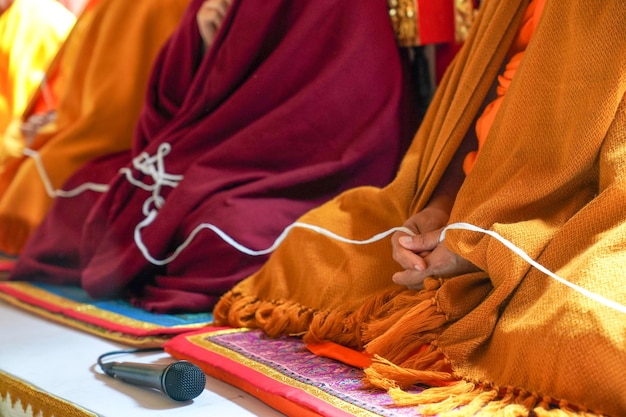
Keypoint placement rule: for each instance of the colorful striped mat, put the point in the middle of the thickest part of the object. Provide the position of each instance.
(112, 319)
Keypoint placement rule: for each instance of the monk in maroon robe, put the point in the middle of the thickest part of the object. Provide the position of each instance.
(292, 103)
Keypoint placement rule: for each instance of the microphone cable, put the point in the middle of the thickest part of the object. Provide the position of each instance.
(103, 366)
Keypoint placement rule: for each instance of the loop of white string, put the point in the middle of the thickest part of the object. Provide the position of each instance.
(154, 167)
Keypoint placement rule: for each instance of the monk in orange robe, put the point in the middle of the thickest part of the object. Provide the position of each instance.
(504, 290)
(105, 78)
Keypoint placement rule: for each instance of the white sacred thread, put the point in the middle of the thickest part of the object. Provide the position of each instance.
(597, 297)
(47, 98)
(154, 167)
(317, 229)
(45, 179)
(243, 249)
(50, 190)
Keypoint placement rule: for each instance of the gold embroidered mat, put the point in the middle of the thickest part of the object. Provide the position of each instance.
(283, 373)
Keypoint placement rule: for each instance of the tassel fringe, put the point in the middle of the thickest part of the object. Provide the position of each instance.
(386, 375)
(466, 399)
(274, 318)
(474, 406)
(454, 395)
(377, 325)
(418, 311)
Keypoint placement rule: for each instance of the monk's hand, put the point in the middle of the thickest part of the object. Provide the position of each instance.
(210, 17)
(410, 252)
(440, 262)
(423, 255)
(34, 123)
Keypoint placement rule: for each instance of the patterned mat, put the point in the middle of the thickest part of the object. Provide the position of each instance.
(283, 373)
(112, 319)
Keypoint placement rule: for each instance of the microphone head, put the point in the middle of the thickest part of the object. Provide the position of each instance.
(183, 381)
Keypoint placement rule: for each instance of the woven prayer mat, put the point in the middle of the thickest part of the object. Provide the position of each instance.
(283, 373)
(111, 319)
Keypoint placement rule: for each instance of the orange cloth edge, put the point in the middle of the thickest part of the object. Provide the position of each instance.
(341, 353)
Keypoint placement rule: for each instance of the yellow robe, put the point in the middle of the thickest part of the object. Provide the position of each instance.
(106, 64)
(550, 178)
(31, 32)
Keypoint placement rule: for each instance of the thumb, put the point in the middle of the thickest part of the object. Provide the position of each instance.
(422, 242)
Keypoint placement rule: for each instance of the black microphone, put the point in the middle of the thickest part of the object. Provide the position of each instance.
(181, 381)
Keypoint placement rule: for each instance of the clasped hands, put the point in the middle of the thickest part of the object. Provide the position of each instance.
(423, 255)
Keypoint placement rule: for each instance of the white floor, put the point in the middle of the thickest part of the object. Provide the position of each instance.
(62, 361)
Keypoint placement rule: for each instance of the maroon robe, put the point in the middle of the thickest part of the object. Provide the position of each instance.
(293, 103)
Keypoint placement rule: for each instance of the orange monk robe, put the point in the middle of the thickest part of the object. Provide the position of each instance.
(106, 76)
(550, 177)
(31, 32)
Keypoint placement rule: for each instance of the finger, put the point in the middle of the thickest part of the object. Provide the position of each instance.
(209, 17)
(211, 13)
(437, 264)
(215, 7)
(446, 264)
(422, 242)
(37, 118)
(449, 266)
(413, 280)
(208, 25)
(27, 130)
(406, 258)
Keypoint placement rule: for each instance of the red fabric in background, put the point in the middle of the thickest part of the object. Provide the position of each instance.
(294, 103)
(435, 21)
